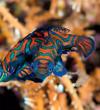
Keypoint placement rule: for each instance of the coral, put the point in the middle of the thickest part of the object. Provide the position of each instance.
(53, 93)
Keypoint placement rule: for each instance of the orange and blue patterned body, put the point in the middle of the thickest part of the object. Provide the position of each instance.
(39, 54)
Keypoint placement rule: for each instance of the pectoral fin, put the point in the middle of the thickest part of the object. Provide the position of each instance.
(59, 69)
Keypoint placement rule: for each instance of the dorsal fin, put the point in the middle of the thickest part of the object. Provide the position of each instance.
(60, 29)
(57, 28)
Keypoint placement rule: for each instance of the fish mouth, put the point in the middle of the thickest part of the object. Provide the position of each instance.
(42, 71)
(42, 67)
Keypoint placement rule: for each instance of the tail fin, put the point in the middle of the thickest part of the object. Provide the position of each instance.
(86, 45)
